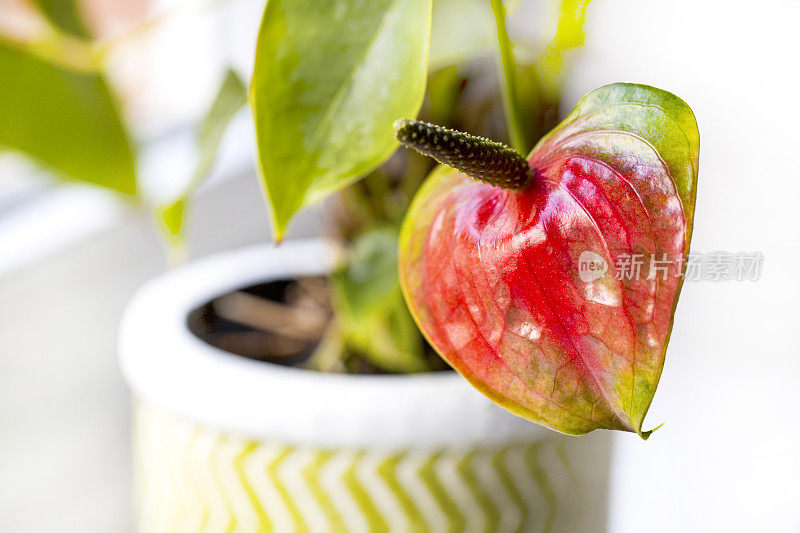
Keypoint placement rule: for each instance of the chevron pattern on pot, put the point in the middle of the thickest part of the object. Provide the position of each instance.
(191, 478)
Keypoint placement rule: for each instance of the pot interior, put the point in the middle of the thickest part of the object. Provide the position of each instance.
(281, 321)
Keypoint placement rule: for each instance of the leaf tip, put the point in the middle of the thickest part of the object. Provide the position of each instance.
(278, 232)
(646, 434)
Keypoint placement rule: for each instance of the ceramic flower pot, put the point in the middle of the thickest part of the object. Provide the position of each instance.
(228, 443)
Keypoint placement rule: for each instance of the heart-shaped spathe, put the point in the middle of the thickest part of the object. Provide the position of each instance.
(557, 301)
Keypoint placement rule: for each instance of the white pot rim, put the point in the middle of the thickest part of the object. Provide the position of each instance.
(167, 366)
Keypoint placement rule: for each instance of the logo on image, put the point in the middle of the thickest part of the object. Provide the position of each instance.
(591, 266)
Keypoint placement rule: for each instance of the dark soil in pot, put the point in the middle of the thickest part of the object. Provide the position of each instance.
(281, 322)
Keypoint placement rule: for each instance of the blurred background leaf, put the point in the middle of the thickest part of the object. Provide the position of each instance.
(329, 80)
(230, 98)
(373, 318)
(67, 120)
(65, 15)
(540, 74)
(569, 36)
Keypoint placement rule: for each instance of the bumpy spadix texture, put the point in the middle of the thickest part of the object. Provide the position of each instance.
(477, 157)
(557, 301)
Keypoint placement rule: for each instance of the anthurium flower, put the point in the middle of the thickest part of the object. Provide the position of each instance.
(552, 287)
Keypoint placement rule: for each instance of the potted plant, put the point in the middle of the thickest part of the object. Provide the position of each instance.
(304, 386)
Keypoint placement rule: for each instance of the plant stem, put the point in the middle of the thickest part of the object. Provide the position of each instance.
(509, 79)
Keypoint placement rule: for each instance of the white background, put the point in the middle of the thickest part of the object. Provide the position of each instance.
(727, 458)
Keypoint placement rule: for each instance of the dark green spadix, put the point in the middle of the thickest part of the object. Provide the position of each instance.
(477, 157)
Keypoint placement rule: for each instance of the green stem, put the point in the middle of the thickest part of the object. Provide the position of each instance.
(508, 68)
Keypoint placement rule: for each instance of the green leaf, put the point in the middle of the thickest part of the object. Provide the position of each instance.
(65, 15)
(171, 218)
(370, 308)
(64, 119)
(330, 78)
(569, 35)
(231, 97)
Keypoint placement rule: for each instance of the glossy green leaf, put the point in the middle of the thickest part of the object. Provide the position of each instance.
(65, 15)
(330, 78)
(66, 120)
(231, 97)
(370, 308)
(557, 301)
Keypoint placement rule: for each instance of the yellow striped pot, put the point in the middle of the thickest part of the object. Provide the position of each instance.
(223, 443)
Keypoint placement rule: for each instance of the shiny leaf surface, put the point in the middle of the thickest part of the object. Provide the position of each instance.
(534, 295)
(330, 77)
